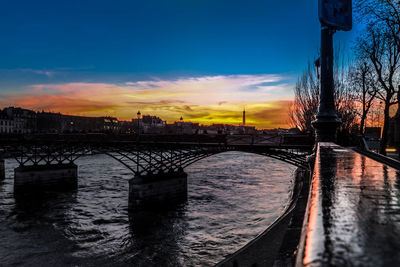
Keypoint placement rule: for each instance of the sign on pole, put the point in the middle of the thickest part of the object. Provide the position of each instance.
(336, 14)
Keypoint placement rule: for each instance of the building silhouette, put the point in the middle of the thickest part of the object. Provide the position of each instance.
(17, 121)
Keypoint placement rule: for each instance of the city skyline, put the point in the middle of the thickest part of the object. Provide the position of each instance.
(193, 104)
(200, 133)
(241, 121)
(202, 60)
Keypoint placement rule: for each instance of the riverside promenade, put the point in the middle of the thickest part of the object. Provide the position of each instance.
(346, 213)
(353, 212)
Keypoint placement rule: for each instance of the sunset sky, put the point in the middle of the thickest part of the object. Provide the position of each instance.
(201, 59)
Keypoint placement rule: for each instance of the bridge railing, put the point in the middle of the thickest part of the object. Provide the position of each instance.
(247, 139)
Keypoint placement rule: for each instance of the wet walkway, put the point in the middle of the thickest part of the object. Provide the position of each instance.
(354, 212)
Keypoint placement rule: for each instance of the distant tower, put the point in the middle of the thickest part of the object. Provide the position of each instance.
(181, 119)
(244, 117)
(139, 115)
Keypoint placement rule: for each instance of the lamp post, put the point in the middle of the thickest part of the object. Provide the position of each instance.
(139, 115)
(334, 15)
(327, 120)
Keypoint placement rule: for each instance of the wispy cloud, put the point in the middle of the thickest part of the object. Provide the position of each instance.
(206, 99)
(47, 73)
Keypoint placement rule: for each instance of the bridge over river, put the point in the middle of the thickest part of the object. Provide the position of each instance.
(157, 162)
(344, 209)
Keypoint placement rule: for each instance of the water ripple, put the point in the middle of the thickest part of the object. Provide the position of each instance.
(232, 198)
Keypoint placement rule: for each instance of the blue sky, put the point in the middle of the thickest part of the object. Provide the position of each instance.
(125, 40)
(115, 42)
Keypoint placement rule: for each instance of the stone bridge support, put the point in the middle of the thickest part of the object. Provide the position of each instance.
(157, 190)
(58, 177)
(2, 169)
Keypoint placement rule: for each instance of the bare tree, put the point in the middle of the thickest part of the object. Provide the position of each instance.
(306, 99)
(380, 43)
(305, 105)
(363, 84)
(383, 13)
(344, 94)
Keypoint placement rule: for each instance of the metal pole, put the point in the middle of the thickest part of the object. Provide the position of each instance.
(327, 120)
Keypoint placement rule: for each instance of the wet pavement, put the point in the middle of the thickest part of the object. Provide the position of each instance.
(354, 211)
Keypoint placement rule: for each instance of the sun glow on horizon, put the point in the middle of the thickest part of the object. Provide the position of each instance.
(206, 100)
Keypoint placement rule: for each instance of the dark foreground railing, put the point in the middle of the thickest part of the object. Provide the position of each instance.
(353, 212)
(351, 216)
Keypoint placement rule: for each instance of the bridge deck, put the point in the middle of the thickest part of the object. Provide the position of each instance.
(353, 211)
(150, 154)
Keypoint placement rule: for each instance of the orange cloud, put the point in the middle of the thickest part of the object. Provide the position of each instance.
(207, 100)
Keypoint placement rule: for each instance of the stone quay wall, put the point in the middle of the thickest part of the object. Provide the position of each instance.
(45, 177)
(278, 242)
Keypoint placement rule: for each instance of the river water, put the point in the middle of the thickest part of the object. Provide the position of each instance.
(232, 197)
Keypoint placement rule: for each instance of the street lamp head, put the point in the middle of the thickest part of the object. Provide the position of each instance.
(336, 14)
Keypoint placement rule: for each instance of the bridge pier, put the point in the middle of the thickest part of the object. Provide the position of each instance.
(59, 177)
(155, 190)
(2, 169)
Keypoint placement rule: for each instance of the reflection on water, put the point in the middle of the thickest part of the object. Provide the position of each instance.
(232, 197)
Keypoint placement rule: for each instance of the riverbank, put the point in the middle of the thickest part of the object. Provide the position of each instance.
(276, 246)
(233, 192)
